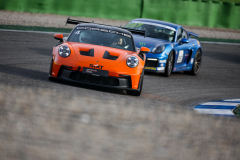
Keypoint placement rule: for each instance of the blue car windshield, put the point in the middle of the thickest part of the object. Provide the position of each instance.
(159, 32)
(103, 37)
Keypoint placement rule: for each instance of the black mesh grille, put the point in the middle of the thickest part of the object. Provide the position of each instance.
(150, 63)
(94, 79)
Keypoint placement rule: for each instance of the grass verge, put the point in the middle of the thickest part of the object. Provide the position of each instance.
(67, 30)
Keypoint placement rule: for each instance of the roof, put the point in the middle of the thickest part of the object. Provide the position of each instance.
(176, 26)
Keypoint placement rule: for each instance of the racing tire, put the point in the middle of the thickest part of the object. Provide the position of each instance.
(169, 65)
(196, 64)
(137, 92)
(50, 72)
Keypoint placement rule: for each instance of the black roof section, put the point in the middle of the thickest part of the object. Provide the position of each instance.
(104, 26)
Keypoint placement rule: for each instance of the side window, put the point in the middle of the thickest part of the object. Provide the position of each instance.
(179, 34)
(185, 35)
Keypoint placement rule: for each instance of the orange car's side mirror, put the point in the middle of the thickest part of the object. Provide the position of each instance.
(59, 37)
(144, 50)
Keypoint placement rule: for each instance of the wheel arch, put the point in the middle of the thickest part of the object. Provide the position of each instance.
(174, 55)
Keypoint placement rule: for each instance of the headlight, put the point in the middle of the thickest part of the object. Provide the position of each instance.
(132, 61)
(158, 49)
(64, 51)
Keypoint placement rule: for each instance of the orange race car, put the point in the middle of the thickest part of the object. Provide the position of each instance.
(99, 55)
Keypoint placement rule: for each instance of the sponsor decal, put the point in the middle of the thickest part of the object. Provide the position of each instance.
(160, 68)
(153, 24)
(152, 68)
(191, 60)
(77, 32)
(91, 71)
(133, 25)
(180, 56)
(104, 30)
(182, 68)
(96, 66)
(162, 64)
(142, 43)
(198, 43)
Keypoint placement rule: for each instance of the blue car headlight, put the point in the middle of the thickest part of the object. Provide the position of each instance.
(132, 62)
(158, 49)
(64, 51)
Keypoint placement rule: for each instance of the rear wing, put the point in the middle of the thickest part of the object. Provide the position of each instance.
(192, 34)
(133, 31)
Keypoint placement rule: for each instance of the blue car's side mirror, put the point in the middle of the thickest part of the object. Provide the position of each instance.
(184, 40)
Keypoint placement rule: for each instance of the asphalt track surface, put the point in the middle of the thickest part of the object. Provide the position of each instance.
(25, 60)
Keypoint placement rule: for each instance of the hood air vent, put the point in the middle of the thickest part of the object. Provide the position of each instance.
(88, 53)
(108, 56)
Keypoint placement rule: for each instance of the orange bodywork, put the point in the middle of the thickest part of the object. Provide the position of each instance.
(116, 68)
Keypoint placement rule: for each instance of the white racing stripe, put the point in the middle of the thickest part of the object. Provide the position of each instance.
(214, 111)
(220, 104)
(232, 100)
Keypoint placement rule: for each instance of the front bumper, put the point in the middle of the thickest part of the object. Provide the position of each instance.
(155, 65)
(124, 82)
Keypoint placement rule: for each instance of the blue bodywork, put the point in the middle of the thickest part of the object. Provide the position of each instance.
(184, 49)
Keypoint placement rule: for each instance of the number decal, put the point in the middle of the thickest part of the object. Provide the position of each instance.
(180, 56)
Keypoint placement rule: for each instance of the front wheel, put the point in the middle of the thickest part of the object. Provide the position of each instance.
(50, 72)
(137, 92)
(169, 65)
(197, 63)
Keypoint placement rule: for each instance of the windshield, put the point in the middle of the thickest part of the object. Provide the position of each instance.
(155, 31)
(103, 37)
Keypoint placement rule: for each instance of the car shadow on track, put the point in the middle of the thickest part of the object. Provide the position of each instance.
(43, 76)
(180, 73)
(23, 72)
(88, 86)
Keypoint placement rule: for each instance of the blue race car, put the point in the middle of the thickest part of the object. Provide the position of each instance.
(172, 48)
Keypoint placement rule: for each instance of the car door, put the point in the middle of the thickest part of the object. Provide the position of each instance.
(182, 50)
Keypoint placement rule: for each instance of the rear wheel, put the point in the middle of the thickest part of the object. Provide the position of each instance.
(169, 65)
(137, 92)
(197, 63)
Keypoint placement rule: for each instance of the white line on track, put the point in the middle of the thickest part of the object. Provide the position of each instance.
(8, 30)
(237, 44)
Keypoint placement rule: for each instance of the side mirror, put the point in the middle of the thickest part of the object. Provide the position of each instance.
(144, 50)
(184, 40)
(59, 37)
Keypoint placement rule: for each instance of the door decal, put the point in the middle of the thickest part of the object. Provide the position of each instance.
(180, 56)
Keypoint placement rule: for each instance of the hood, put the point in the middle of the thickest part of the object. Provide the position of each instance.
(98, 55)
(148, 42)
